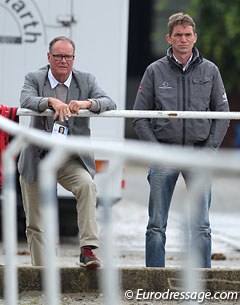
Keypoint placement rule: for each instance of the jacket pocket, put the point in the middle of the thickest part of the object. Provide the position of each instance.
(201, 86)
(200, 93)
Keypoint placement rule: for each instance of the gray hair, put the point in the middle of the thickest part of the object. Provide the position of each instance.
(61, 38)
(180, 18)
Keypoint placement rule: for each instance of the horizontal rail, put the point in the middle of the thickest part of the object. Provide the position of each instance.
(142, 114)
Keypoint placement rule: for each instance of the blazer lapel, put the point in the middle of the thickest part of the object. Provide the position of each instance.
(74, 93)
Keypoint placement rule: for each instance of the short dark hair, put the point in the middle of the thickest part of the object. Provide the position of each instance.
(180, 18)
(61, 38)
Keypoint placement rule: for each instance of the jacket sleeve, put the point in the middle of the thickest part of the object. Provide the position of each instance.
(30, 94)
(145, 101)
(219, 102)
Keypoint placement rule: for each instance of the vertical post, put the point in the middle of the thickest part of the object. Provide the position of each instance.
(9, 218)
(47, 171)
(192, 276)
(109, 273)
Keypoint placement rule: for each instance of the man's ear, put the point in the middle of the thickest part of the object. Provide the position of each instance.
(168, 37)
(48, 56)
(196, 37)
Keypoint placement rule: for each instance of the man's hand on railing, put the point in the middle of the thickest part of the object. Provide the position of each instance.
(75, 106)
(61, 110)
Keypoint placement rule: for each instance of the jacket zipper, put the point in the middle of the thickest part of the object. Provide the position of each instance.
(184, 108)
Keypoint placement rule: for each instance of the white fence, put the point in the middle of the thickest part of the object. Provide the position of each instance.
(204, 163)
(144, 114)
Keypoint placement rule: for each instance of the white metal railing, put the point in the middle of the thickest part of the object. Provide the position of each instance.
(143, 114)
(204, 162)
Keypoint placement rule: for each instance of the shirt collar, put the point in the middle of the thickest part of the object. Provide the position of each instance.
(187, 64)
(54, 82)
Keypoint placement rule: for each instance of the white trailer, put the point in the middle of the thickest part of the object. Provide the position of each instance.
(99, 30)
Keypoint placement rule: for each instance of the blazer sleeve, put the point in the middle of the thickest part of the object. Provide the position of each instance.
(30, 97)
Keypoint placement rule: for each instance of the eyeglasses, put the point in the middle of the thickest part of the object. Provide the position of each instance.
(59, 57)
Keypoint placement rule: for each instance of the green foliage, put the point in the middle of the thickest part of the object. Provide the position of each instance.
(218, 29)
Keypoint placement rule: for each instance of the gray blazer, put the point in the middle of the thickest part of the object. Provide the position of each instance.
(36, 87)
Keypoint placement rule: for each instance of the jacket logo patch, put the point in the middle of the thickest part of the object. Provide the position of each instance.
(165, 85)
(225, 97)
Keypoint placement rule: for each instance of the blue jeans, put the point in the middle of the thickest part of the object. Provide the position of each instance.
(162, 184)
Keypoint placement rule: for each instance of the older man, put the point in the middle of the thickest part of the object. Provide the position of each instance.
(66, 90)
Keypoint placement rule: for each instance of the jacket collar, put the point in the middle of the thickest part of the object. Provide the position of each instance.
(196, 58)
